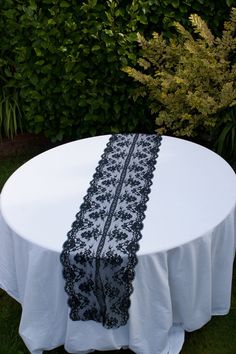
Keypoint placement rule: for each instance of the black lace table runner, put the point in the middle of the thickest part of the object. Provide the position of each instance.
(99, 255)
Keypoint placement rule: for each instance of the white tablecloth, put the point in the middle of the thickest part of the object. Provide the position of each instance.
(184, 270)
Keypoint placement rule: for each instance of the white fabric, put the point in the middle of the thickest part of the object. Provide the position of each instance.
(184, 272)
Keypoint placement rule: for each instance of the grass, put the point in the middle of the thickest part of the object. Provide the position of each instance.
(216, 337)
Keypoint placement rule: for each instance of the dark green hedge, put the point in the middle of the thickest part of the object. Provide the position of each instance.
(65, 58)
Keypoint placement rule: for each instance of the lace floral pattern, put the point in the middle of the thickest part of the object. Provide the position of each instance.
(99, 256)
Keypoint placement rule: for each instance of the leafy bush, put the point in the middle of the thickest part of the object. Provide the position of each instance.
(224, 136)
(65, 57)
(10, 113)
(189, 81)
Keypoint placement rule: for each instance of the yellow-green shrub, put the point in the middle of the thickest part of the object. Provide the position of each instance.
(189, 80)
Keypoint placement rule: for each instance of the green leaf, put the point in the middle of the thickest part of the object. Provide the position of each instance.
(175, 3)
(109, 32)
(10, 14)
(115, 130)
(69, 66)
(40, 62)
(132, 56)
(117, 108)
(229, 2)
(33, 5)
(59, 136)
(34, 79)
(64, 4)
(92, 3)
(132, 37)
(142, 19)
(95, 48)
(38, 52)
(51, 21)
(39, 118)
(109, 16)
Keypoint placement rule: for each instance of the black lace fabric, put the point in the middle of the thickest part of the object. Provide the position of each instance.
(99, 256)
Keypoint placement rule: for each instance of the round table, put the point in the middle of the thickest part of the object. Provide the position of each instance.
(184, 270)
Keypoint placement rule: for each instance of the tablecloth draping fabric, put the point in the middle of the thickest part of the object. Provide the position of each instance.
(175, 290)
(181, 280)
